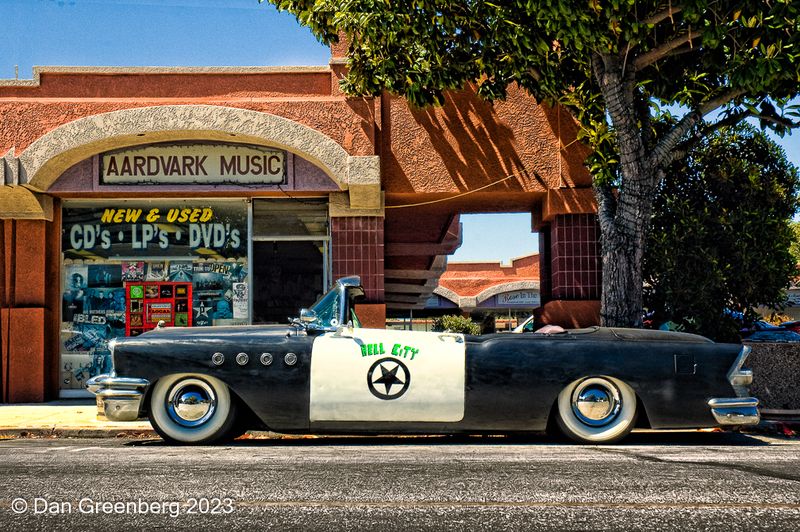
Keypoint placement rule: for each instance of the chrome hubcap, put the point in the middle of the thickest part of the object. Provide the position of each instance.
(596, 402)
(191, 402)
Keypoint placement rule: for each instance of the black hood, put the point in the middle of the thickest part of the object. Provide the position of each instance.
(216, 333)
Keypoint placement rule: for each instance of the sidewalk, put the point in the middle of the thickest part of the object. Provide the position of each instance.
(65, 419)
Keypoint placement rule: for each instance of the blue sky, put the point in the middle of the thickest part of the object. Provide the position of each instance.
(208, 33)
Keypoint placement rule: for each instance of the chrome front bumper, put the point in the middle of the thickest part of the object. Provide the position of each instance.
(738, 411)
(119, 398)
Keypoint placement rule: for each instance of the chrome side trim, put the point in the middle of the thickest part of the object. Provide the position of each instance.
(735, 411)
(744, 377)
(740, 379)
(120, 398)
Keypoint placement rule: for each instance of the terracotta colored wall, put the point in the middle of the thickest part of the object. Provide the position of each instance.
(207, 86)
(372, 316)
(570, 314)
(469, 143)
(527, 266)
(28, 311)
(347, 122)
(27, 113)
(466, 144)
(6, 234)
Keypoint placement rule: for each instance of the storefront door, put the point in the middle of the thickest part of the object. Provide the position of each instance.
(286, 277)
(290, 266)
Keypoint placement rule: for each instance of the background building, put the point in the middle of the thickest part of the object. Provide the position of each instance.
(509, 292)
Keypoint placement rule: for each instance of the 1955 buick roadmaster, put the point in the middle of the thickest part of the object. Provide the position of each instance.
(323, 373)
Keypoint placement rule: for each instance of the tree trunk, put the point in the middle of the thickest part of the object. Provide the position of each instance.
(624, 217)
(621, 303)
(623, 210)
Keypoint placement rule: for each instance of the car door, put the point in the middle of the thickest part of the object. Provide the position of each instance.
(387, 375)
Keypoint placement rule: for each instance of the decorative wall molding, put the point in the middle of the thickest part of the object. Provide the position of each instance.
(36, 81)
(49, 156)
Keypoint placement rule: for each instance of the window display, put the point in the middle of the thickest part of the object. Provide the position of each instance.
(130, 264)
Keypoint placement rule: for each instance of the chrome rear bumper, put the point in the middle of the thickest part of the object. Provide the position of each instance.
(738, 411)
(741, 410)
(119, 398)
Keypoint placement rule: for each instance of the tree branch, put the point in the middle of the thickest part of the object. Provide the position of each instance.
(659, 52)
(655, 18)
(777, 120)
(670, 140)
(679, 153)
(682, 149)
(730, 120)
(598, 67)
(719, 101)
(682, 51)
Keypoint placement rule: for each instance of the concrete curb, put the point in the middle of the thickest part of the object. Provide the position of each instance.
(17, 433)
(93, 432)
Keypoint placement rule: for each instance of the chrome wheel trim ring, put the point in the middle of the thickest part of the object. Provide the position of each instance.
(191, 402)
(596, 402)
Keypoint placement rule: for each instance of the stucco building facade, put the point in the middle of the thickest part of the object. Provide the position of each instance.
(212, 196)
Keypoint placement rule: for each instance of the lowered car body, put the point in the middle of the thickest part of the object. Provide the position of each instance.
(325, 374)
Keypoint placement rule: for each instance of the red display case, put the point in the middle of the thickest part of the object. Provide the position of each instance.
(149, 302)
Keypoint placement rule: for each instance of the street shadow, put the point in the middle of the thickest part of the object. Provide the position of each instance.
(637, 438)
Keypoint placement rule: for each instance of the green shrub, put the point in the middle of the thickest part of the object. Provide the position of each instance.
(721, 234)
(456, 324)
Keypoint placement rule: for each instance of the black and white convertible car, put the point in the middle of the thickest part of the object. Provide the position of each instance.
(326, 374)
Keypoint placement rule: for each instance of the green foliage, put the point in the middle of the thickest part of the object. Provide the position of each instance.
(456, 324)
(721, 233)
(623, 68)
(794, 249)
(421, 48)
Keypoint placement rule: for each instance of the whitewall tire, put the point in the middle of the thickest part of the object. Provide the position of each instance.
(192, 409)
(597, 409)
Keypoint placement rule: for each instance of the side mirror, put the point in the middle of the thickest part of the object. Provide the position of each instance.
(308, 316)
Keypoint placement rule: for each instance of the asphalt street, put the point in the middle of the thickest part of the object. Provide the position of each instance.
(679, 481)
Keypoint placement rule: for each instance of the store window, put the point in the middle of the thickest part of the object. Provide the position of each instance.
(128, 265)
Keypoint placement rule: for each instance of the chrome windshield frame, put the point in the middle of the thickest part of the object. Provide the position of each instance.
(342, 287)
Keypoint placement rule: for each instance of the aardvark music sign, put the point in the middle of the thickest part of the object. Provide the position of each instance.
(200, 164)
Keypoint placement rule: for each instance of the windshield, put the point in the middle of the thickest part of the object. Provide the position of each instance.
(328, 309)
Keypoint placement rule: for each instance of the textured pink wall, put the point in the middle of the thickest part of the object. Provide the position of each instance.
(469, 143)
(466, 144)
